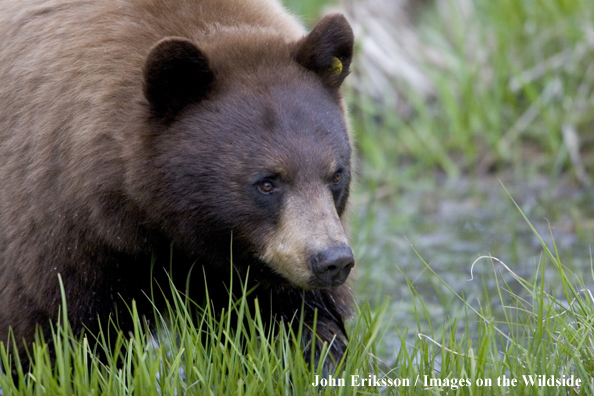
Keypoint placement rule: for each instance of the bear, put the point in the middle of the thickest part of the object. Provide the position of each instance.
(147, 139)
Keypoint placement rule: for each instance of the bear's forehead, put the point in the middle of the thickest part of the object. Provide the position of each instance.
(282, 118)
(283, 137)
(298, 150)
(288, 97)
(308, 160)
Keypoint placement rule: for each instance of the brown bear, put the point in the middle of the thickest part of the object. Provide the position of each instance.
(172, 133)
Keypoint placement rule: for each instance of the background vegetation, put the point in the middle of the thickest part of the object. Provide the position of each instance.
(491, 163)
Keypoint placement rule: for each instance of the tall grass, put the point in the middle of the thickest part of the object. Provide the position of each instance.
(191, 350)
(532, 330)
(538, 329)
(515, 87)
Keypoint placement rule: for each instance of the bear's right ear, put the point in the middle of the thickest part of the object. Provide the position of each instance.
(176, 73)
(327, 50)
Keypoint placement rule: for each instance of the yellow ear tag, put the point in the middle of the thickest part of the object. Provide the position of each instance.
(336, 66)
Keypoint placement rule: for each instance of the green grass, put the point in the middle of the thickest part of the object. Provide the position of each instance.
(538, 326)
(191, 351)
(514, 76)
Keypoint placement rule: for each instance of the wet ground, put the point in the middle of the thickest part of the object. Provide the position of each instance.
(451, 224)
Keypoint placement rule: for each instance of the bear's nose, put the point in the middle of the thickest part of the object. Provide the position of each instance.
(332, 266)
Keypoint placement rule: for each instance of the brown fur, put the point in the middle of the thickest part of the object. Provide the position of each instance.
(82, 158)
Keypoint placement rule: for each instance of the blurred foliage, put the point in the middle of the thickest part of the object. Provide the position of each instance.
(515, 89)
(307, 10)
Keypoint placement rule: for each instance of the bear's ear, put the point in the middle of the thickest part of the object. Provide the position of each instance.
(176, 73)
(327, 50)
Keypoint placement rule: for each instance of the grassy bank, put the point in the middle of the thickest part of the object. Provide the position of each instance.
(533, 330)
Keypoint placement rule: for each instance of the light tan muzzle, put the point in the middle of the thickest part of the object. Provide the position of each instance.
(310, 247)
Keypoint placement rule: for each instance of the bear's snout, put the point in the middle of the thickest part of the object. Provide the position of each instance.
(333, 266)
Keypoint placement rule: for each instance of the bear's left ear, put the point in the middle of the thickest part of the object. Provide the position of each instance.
(327, 50)
(176, 73)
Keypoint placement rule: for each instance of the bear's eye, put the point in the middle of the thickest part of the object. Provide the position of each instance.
(337, 177)
(266, 187)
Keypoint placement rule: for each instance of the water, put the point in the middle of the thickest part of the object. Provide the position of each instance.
(450, 225)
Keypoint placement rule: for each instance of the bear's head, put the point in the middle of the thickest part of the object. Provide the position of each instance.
(249, 141)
